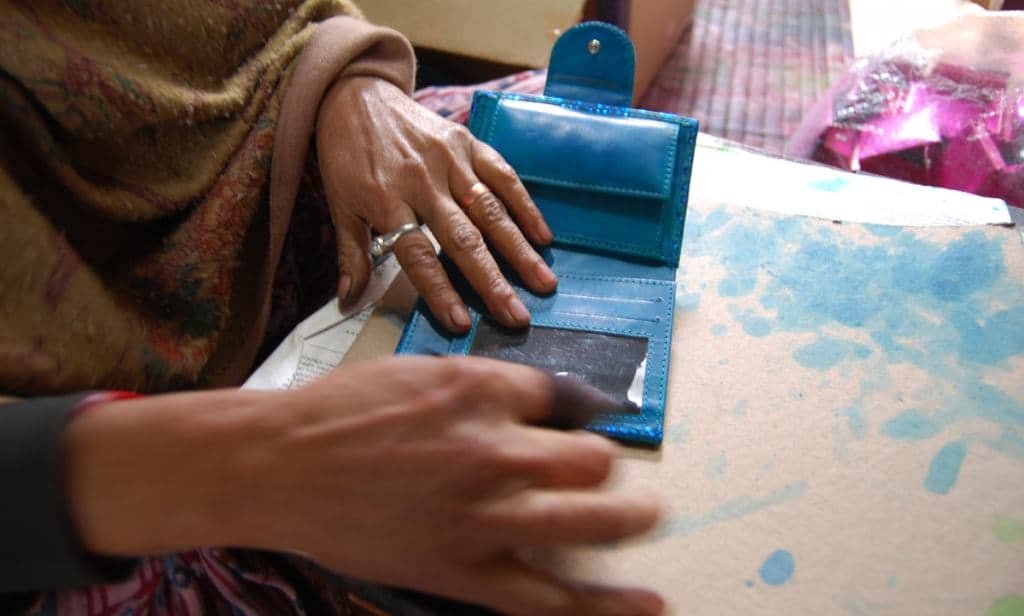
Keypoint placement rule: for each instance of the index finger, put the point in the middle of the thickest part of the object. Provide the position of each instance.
(419, 261)
(495, 171)
(464, 244)
(561, 401)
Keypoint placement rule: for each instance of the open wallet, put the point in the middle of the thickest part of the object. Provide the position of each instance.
(612, 183)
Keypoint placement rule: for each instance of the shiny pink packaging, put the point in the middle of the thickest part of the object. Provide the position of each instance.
(944, 107)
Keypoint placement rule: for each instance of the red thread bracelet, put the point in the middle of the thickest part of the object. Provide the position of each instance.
(100, 397)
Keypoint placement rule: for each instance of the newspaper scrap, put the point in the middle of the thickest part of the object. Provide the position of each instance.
(318, 344)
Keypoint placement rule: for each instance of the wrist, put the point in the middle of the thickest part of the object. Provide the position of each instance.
(160, 474)
(352, 94)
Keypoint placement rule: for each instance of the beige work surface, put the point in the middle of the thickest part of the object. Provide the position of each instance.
(846, 399)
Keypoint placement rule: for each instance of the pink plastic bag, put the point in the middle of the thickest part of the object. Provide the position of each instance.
(943, 107)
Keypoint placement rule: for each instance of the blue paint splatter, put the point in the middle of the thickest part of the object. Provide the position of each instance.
(861, 351)
(753, 324)
(740, 410)
(821, 354)
(948, 309)
(715, 220)
(824, 353)
(911, 425)
(890, 581)
(855, 420)
(757, 326)
(748, 250)
(824, 283)
(718, 330)
(731, 510)
(830, 185)
(884, 230)
(945, 468)
(777, 568)
(999, 337)
(964, 267)
(737, 286)
(714, 467)
(749, 583)
(678, 432)
(687, 301)
(992, 403)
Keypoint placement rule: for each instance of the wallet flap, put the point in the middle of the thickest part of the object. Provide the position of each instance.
(612, 179)
(593, 62)
(621, 156)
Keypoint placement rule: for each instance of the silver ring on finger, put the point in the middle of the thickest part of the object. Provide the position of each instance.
(385, 242)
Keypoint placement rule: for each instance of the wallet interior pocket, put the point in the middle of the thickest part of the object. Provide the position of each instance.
(612, 332)
(615, 364)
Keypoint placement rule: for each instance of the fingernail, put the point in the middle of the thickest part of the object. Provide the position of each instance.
(460, 317)
(517, 312)
(577, 403)
(344, 287)
(545, 276)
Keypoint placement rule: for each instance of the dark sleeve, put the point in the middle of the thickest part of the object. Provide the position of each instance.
(39, 546)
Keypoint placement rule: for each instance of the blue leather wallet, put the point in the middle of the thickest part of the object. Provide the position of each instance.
(612, 183)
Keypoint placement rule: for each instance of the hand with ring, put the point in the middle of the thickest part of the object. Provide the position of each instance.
(388, 164)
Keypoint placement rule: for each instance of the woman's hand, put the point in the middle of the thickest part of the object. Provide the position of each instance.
(415, 471)
(387, 161)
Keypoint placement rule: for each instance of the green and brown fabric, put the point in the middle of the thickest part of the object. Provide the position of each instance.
(139, 236)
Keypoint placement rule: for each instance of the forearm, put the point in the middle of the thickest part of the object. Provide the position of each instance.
(165, 473)
(414, 471)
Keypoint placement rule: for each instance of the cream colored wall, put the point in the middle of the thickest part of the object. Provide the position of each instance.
(518, 32)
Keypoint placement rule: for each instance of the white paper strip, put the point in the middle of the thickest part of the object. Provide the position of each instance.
(725, 172)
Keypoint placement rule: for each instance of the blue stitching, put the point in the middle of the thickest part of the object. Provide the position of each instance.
(630, 300)
(670, 165)
(647, 281)
(596, 187)
(406, 341)
(463, 344)
(656, 319)
(587, 327)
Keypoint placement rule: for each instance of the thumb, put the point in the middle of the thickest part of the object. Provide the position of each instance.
(353, 258)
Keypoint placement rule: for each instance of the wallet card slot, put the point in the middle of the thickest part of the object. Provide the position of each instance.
(566, 313)
(628, 300)
(632, 311)
(618, 299)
